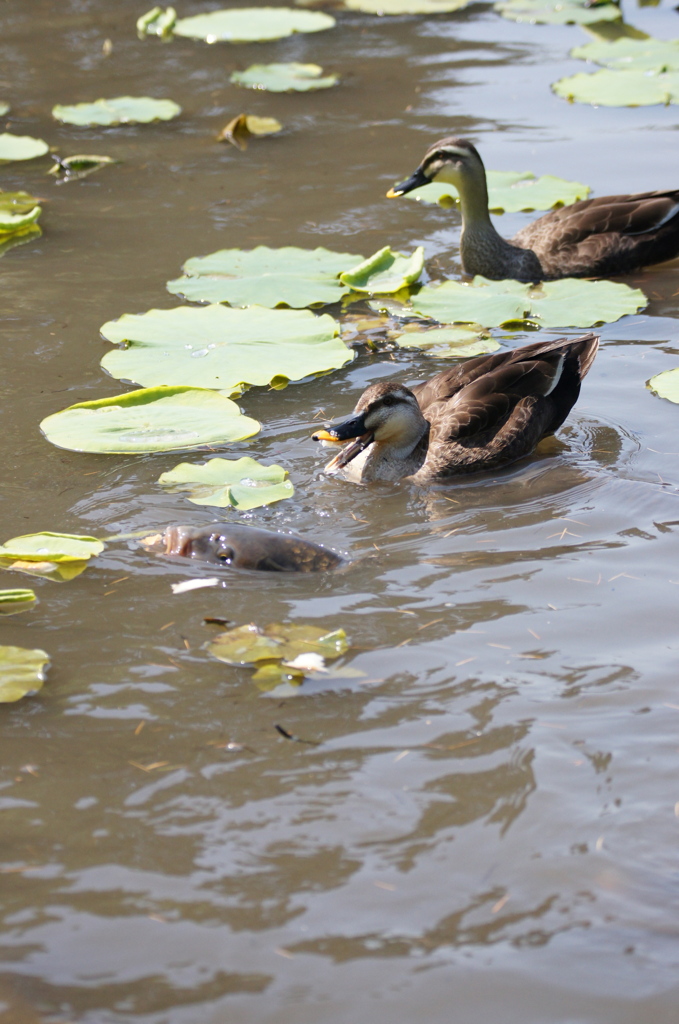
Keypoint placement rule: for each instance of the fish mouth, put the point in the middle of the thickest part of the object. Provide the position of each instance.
(351, 429)
(416, 180)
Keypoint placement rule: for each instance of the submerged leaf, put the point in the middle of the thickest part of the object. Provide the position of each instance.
(406, 6)
(510, 192)
(218, 347)
(51, 547)
(248, 645)
(17, 600)
(558, 12)
(292, 77)
(620, 88)
(22, 672)
(21, 147)
(238, 483)
(666, 385)
(120, 110)
(632, 54)
(448, 342)
(240, 130)
(73, 168)
(266, 277)
(155, 419)
(385, 272)
(251, 24)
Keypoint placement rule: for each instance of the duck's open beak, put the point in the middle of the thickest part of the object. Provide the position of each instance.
(354, 427)
(416, 180)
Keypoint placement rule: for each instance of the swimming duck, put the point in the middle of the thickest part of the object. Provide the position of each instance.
(593, 238)
(479, 415)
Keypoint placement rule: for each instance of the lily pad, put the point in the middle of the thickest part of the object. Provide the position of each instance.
(22, 672)
(510, 192)
(292, 77)
(4, 108)
(406, 6)
(20, 147)
(9, 240)
(241, 129)
(155, 419)
(252, 24)
(18, 210)
(218, 347)
(666, 385)
(558, 12)
(620, 88)
(120, 110)
(73, 168)
(447, 342)
(51, 547)
(17, 600)
(249, 645)
(635, 54)
(570, 302)
(157, 22)
(385, 272)
(238, 483)
(268, 277)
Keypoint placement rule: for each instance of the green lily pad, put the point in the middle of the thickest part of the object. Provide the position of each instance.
(666, 385)
(510, 192)
(292, 77)
(4, 108)
(18, 600)
(634, 54)
(157, 22)
(620, 88)
(406, 6)
(155, 419)
(238, 483)
(219, 347)
(9, 240)
(570, 302)
(248, 645)
(18, 210)
(557, 12)
(51, 547)
(22, 672)
(385, 272)
(20, 147)
(120, 110)
(73, 168)
(241, 129)
(268, 277)
(251, 24)
(447, 342)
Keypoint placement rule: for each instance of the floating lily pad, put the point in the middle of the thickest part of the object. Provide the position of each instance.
(251, 24)
(558, 12)
(241, 129)
(666, 385)
(73, 168)
(268, 277)
(52, 547)
(632, 54)
(120, 110)
(385, 272)
(292, 77)
(223, 348)
(22, 672)
(20, 147)
(15, 601)
(155, 419)
(620, 88)
(406, 6)
(4, 108)
(570, 302)
(238, 483)
(18, 210)
(157, 22)
(9, 240)
(447, 342)
(249, 645)
(510, 192)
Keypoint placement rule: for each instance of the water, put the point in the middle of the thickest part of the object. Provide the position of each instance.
(482, 823)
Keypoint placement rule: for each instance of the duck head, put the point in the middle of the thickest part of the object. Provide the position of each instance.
(451, 160)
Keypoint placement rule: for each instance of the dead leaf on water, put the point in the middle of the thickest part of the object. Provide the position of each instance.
(242, 128)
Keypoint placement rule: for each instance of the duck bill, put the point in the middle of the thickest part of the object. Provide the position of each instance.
(346, 431)
(416, 180)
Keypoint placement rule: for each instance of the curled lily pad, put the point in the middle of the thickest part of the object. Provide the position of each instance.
(447, 342)
(22, 672)
(385, 272)
(73, 168)
(241, 129)
(632, 54)
(120, 110)
(406, 6)
(249, 645)
(620, 88)
(18, 210)
(218, 347)
(157, 22)
(570, 302)
(292, 77)
(156, 419)
(510, 192)
(251, 24)
(558, 12)
(17, 600)
(20, 147)
(666, 385)
(238, 483)
(268, 277)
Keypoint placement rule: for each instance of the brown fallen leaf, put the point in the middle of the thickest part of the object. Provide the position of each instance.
(241, 129)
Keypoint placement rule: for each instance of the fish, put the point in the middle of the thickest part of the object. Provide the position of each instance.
(243, 547)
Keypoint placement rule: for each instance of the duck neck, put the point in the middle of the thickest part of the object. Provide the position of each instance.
(482, 249)
(389, 461)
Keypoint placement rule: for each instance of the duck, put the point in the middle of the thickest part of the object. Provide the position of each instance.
(482, 414)
(599, 237)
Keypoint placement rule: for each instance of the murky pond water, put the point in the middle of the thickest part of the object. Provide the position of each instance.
(480, 821)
